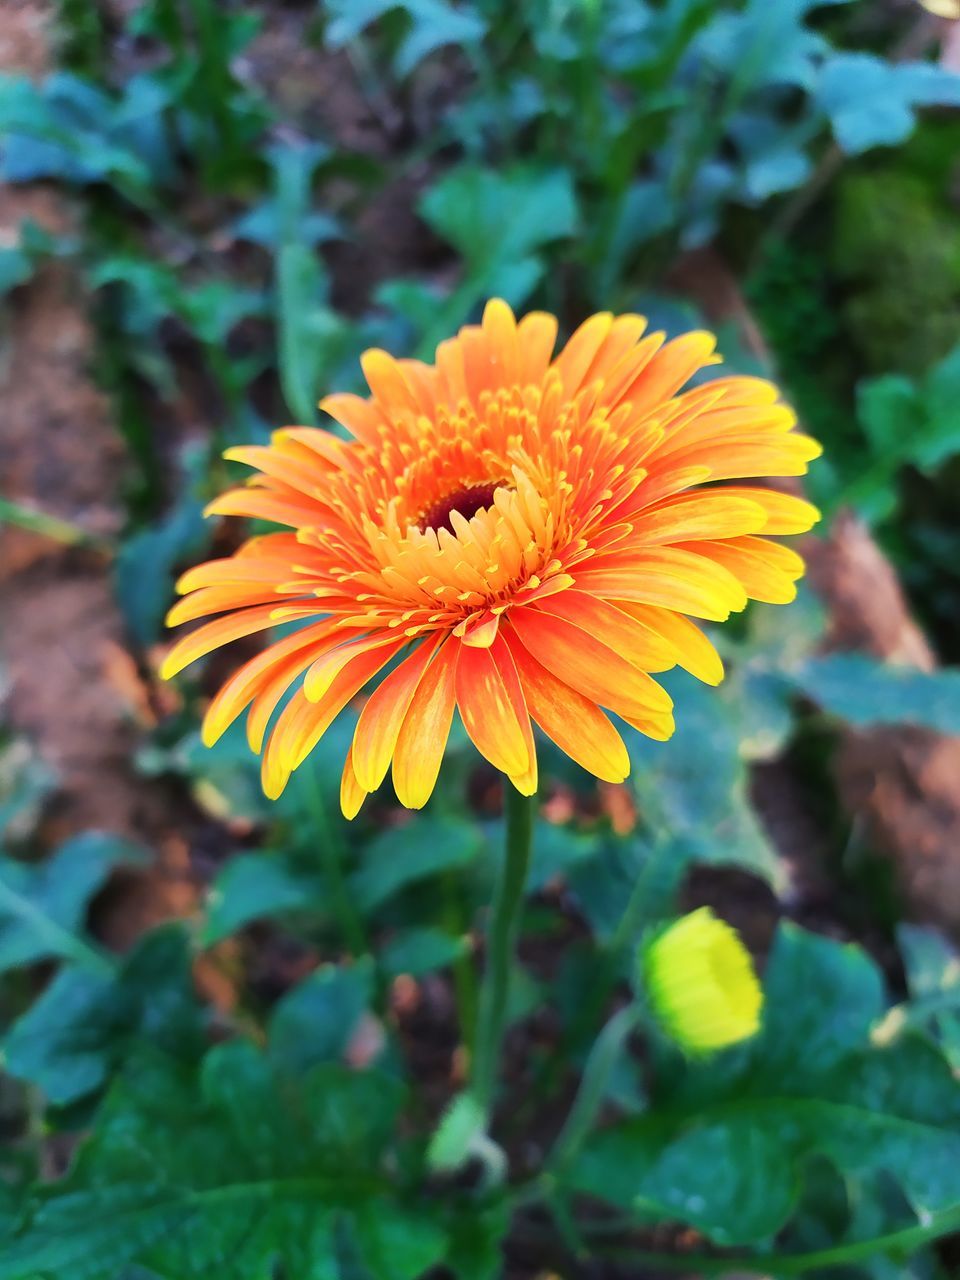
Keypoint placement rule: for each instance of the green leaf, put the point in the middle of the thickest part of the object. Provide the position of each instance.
(252, 886)
(557, 850)
(432, 25)
(725, 1142)
(315, 1021)
(872, 102)
(85, 1024)
(287, 216)
(695, 785)
(502, 255)
(67, 129)
(43, 905)
(15, 268)
(864, 692)
(933, 977)
(145, 563)
(402, 855)
(940, 392)
(419, 951)
(931, 962)
(238, 1170)
(312, 334)
(890, 412)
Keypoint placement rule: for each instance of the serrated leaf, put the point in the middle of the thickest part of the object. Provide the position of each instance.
(84, 1024)
(43, 905)
(724, 1146)
(864, 692)
(237, 1167)
(695, 785)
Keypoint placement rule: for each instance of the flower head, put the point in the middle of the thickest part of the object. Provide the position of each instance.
(522, 537)
(700, 983)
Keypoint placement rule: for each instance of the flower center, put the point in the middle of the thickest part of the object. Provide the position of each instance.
(466, 501)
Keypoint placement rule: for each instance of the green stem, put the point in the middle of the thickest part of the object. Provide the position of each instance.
(652, 894)
(593, 1086)
(501, 941)
(50, 526)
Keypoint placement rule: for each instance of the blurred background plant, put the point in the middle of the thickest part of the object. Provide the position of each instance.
(248, 197)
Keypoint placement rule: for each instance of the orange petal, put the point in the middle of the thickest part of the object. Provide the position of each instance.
(352, 795)
(605, 622)
(670, 577)
(198, 604)
(767, 570)
(536, 335)
(578, 355)
(361, 418)
(672, 366)
(694, 651)
(328, 666)
(709, 513)
(575, 724)
(289, 655)
(221, 631)
(588, 665)
(493, 711)
(480, 631)
(387, 382)
(302, 723)
(264, 504)
(785, 513)
(625, 332)
(426, 727)
(300, 474)
(500, 326)
(233, 571)
(381, 719)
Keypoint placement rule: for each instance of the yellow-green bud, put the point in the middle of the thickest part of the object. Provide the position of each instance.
(700, 983)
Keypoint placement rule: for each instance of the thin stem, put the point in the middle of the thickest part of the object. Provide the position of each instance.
(50, 526)
(501, 941)
(593, 1086)
(649, 894)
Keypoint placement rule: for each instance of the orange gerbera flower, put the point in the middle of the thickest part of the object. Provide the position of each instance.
(526, 535)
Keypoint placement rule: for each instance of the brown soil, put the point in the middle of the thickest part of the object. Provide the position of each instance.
(71, 686)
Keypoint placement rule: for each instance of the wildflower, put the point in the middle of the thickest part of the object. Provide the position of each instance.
(700, 983)
(522, 537)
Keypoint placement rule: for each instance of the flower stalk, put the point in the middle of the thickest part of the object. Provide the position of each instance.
(593, 1086)
(501, 942)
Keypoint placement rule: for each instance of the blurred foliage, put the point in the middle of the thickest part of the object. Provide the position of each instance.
(896, 253)
(561, 153)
